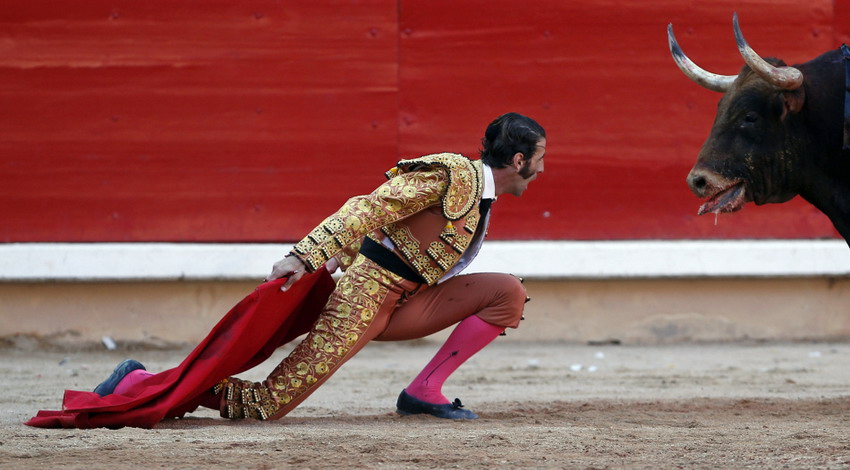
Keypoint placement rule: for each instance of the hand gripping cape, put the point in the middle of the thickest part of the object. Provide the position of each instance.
(245, 337)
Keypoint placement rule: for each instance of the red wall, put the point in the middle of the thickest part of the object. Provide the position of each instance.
(208, 121)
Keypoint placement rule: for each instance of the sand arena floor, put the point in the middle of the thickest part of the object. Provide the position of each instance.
(551, 405)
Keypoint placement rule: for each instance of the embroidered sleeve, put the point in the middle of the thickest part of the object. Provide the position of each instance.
(402, 196)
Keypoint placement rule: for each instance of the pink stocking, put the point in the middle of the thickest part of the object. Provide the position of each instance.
(131, 379)
(469, 337)
(206, 399)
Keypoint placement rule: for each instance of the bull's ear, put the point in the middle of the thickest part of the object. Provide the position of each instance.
(792, 101)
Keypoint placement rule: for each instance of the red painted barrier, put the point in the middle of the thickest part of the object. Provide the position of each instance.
(208, 121)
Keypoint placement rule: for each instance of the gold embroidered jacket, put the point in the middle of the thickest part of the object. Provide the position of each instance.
(428, 208)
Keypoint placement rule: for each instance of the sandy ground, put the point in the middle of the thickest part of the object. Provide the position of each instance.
(550, 405)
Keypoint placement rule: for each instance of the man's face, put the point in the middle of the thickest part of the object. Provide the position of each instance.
(528, 170)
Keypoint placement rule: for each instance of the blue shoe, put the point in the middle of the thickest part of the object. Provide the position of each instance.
(121, 370)
(408, 405)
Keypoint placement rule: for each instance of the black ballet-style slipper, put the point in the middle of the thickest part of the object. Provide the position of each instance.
(408, 405)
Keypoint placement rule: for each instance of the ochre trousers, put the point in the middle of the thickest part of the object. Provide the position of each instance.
(371, 303)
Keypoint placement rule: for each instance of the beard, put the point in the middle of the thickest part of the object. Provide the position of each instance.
(525, 170)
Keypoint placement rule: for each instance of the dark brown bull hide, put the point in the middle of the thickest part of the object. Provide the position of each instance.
(778, 133)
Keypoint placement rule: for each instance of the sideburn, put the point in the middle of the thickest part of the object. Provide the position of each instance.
(525, 169)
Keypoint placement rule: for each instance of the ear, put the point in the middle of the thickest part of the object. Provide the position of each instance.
(517, 160)
(792, 101)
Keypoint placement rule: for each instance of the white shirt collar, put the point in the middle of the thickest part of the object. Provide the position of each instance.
(489, 184)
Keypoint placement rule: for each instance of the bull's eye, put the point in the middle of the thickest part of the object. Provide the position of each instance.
(749, 122)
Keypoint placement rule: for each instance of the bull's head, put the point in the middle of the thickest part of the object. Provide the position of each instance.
(748, 155)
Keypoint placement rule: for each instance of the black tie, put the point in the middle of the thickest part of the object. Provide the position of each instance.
(484, 207)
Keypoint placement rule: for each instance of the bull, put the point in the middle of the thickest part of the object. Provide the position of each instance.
(779, 132)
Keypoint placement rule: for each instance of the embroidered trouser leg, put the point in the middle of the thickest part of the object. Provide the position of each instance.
(357, 311)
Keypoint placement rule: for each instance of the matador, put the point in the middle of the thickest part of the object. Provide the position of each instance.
(401, 248)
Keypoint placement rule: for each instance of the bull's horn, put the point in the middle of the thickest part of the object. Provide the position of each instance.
(788, 78)
(709, 80)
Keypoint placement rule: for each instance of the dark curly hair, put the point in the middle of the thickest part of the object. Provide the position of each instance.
(508, 135)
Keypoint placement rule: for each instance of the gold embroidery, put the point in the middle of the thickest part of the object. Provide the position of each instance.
(445, 259)
(466, 182)
(450, 179)
(408, 246)
(471, 222)
(400, 197)
(245, 399)
(458, 242)
(343, 322)
(332, 226)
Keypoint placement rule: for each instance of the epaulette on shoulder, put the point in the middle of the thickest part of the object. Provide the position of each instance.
(466, 181)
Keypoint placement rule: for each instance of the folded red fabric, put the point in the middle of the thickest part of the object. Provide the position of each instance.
(245, 337)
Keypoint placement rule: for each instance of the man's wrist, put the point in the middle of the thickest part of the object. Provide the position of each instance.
(295, 255)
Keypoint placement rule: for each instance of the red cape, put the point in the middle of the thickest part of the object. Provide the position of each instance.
(245, 337)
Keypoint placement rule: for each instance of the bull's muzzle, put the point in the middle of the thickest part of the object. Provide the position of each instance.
(699, 182)
(705, 182)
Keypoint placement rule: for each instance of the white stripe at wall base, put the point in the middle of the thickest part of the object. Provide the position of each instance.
(23, 262)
